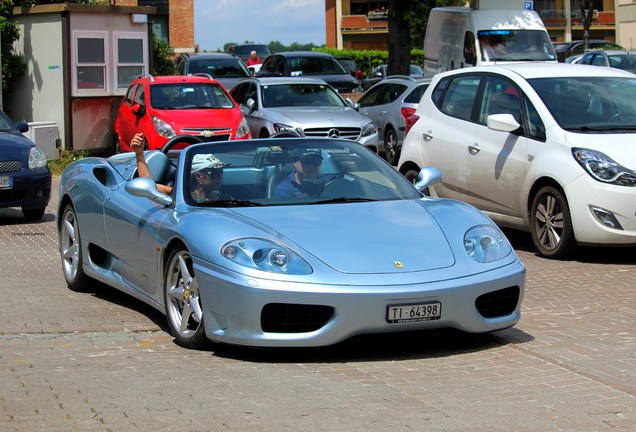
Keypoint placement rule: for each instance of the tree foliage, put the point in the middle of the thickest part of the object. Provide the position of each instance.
(407, 28)
(162, 54)
(13, 64)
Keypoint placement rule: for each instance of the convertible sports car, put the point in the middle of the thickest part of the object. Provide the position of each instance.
(359, 250)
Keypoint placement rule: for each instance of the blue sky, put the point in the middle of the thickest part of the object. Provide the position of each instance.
(261, 21)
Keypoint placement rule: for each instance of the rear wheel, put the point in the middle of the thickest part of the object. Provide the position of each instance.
(71, 251)
(551, 224)
(183, 302)
(391, 151)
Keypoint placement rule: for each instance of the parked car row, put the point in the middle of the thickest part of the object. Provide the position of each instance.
(496, 114)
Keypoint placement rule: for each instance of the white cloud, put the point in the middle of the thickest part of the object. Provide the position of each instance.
(262, 21)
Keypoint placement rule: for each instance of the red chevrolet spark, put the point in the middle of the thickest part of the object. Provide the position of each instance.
(165, 106)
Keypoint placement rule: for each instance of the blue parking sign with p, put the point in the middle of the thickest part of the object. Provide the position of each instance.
(528, 5)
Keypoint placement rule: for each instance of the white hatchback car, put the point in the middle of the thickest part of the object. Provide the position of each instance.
(549, 148)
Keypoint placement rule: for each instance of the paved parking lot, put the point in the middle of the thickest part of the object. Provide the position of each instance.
(100, 361)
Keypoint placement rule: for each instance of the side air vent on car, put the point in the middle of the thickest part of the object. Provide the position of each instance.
(498, 303)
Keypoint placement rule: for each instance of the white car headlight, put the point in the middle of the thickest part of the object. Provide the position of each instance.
(603, 168)
(37, 159)
(369, 129)
(163, 128)
(265, 255)
(485, 243)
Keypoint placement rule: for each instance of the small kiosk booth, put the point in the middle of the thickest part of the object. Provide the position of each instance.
(80, 59)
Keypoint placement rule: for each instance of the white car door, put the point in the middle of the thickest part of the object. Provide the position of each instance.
(496, 161)
(447, 130)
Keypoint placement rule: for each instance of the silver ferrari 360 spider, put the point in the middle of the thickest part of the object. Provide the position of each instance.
(284, 242)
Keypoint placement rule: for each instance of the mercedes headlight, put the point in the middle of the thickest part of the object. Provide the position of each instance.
(280, 127)
(485, 243)
(162, 127)
(37, 159)
(603, 168)
(369, 129)
(265, 255)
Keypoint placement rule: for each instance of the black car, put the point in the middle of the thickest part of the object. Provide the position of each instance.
(223, 67)
(25, 179)
(310, 64)
(566, 49)
(244, 51)
(350, 65)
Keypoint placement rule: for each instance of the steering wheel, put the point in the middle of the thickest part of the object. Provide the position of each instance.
(189, 139)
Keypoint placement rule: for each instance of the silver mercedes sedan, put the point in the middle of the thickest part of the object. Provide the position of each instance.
(306, 107)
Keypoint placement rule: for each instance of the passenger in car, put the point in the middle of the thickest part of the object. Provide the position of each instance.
(207, 171)
(142, 166)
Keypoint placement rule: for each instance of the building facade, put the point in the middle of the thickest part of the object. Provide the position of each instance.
(363, 24)
(173, 21)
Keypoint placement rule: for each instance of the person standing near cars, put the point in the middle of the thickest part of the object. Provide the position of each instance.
(253, 60)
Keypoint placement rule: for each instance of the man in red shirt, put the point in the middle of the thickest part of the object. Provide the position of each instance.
(253, 60)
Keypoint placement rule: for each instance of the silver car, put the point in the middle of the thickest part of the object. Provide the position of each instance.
(308, 107)
(384, 103)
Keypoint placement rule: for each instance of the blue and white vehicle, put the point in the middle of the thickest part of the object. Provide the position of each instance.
(362, 252)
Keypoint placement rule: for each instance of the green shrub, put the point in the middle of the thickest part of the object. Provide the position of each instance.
(66, 158)
(369, 59)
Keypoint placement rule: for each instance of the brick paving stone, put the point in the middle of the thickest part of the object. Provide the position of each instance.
(101, 361)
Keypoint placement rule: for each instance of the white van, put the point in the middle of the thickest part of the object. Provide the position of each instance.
(458, 37)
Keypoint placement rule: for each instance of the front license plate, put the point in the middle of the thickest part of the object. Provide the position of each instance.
(413, 312)
(6, 182)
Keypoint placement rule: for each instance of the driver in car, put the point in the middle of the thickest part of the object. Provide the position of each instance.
(304, 180)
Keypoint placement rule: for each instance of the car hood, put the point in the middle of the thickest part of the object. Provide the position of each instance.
(388, 237)
(618, 146)
(202, 118)
(320, 116)
(14, 146)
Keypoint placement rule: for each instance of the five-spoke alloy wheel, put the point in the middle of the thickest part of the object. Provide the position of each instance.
(183, 302)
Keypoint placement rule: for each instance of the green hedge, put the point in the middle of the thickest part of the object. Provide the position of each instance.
(369, 59)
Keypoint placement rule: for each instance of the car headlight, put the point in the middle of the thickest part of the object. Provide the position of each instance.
(603, 168)
(265, 255)
(485, 243)
(279, 127)
(369, 129)
(163, 128)
(243, 129)
(37, 159)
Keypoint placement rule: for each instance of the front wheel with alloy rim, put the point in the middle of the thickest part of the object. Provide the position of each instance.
(551, 224)
(183, 302)
(391, 151)
(71, 251)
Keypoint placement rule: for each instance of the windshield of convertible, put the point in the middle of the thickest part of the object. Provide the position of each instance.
(597, 104)
(289, 171)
